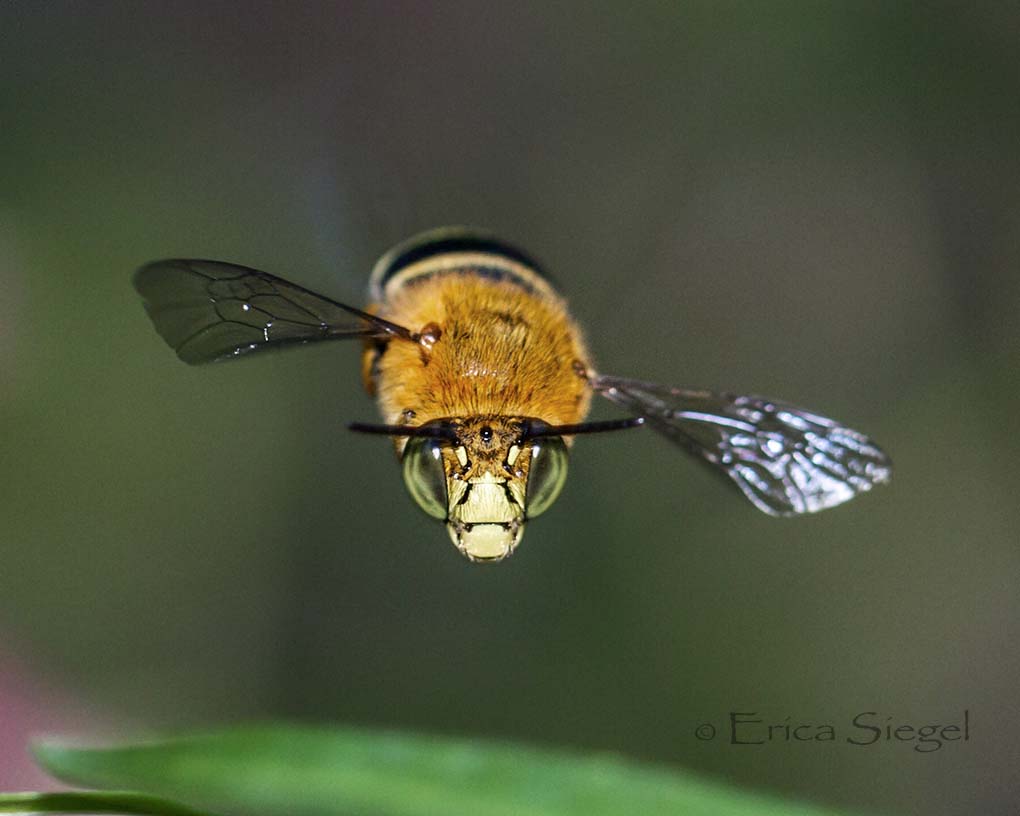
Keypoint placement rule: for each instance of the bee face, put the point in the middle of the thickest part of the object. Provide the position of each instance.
(485, 481)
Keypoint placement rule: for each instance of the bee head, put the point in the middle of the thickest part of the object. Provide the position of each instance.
(485, 479)
(485, 476)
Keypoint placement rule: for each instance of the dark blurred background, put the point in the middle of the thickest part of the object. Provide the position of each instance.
(817, 201)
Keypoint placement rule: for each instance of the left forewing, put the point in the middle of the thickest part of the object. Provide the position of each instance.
(785, 459)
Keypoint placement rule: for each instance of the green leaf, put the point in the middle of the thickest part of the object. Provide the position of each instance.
(293, 771)
(92, 802)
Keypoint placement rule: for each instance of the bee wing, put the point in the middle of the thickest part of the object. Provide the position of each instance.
(785, 459)
(209, 310)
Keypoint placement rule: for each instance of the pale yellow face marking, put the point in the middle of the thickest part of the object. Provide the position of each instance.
(462, 456)
(486, 512)
(512, 455)
(487, 502)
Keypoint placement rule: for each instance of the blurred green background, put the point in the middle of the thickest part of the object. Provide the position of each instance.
(817, 201)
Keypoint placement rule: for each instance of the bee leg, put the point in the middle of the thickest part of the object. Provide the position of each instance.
(374, 350)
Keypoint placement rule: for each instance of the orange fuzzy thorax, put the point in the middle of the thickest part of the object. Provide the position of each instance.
(501, 351)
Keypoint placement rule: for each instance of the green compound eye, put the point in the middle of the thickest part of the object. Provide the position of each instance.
(424, 475)
(547, 474)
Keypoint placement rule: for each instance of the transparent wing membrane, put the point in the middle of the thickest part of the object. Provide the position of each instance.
(785, 459)
(209, 310)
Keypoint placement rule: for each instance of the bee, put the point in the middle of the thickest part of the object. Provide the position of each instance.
(483, 380)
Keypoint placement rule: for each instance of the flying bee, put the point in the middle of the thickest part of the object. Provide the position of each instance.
(483, 380)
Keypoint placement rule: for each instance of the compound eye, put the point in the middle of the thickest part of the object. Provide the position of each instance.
(425, 476)
(546, 475)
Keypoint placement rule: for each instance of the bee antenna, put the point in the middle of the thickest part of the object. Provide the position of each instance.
(433, 431)
(534, 428)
